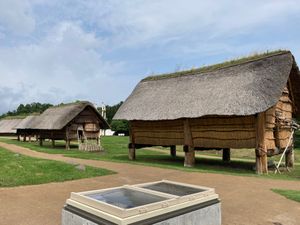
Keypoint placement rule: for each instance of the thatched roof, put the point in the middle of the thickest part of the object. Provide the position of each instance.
(57, 117)
(8, 126)
(243, 87)
(28, 122)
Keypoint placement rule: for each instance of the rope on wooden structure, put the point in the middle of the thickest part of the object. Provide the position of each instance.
(294, 127)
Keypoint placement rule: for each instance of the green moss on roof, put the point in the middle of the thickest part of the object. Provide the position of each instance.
(218, 66)
(13, 117)
(71, 103)
(23, 116)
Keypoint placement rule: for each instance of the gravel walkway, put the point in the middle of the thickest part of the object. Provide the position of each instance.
(245, 200)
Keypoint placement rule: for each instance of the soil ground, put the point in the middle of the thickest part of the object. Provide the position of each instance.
(245, 200)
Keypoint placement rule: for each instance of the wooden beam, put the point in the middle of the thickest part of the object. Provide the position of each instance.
(226, 155)
(173, 150)
(261, 150)
(189, 159)
(131, 149)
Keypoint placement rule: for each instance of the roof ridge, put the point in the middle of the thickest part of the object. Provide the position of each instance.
(217, 66)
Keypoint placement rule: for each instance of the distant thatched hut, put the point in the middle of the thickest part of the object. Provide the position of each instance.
(24, 127)
(8, 126)
(247, 103)
(76, 121)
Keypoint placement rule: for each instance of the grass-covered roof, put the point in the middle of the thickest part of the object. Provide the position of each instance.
(210, 68)
(240, 87)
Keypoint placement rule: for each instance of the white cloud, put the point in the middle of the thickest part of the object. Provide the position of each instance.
(149, 22)
(64, 66)
(62, 50)
(16, 17)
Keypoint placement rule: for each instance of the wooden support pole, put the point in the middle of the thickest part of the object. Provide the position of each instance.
(189, 159)
(226, 155)
(29, 138)
(67, 139)
(67, 144)
(131, 146)
(289, 158)
(24, 137)
(41, 141)
(53, 143)
(131, 151)
(261, 150)
(173, 150)
(18, 137)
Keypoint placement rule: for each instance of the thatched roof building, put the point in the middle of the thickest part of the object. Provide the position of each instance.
(24, 128)
(171, 108)
(66, 122)
(8, 126)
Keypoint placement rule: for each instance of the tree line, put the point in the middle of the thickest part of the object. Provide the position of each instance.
(27, 109)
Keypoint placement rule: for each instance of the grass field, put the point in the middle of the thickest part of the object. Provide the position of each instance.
(16, 169)
(116, 150)
(290, 194)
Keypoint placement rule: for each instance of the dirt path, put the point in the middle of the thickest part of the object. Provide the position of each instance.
(245, 200)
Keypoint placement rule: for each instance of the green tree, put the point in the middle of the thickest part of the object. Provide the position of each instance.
(120, 126)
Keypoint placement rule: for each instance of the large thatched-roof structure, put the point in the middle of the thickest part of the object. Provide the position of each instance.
(8, 126)
(73, 121)
(238, 104)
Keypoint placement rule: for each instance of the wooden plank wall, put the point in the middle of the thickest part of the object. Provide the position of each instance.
(158, 132)
(218, 132)
(285, 108)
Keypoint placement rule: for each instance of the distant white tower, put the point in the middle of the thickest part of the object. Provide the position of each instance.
(103, 110)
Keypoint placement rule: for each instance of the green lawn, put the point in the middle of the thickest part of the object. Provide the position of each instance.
(16, 169)
(116, 150)
(290, 194)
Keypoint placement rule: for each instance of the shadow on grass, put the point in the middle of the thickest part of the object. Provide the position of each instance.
(202, 164)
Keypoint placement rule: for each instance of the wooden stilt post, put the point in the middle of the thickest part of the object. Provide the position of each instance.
(24, 137)
(226, 155)
(67, 139)
(189, 159)
(41, 141)
(29, 138)
(131, 146)
(289, 158)
(261, 150)
(173, 150)
(53, 143)
(18, 137)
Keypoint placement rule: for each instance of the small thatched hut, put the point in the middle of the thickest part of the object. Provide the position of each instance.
(76, 121)
(8, 126)
(24, 127)
(247, 103)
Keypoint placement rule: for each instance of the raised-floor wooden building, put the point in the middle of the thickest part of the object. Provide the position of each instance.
(247, 103)
(75, 121)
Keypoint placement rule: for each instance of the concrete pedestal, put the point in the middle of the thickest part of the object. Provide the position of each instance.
(207, 213)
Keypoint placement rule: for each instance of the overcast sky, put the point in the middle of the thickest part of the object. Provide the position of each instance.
(64, 50)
